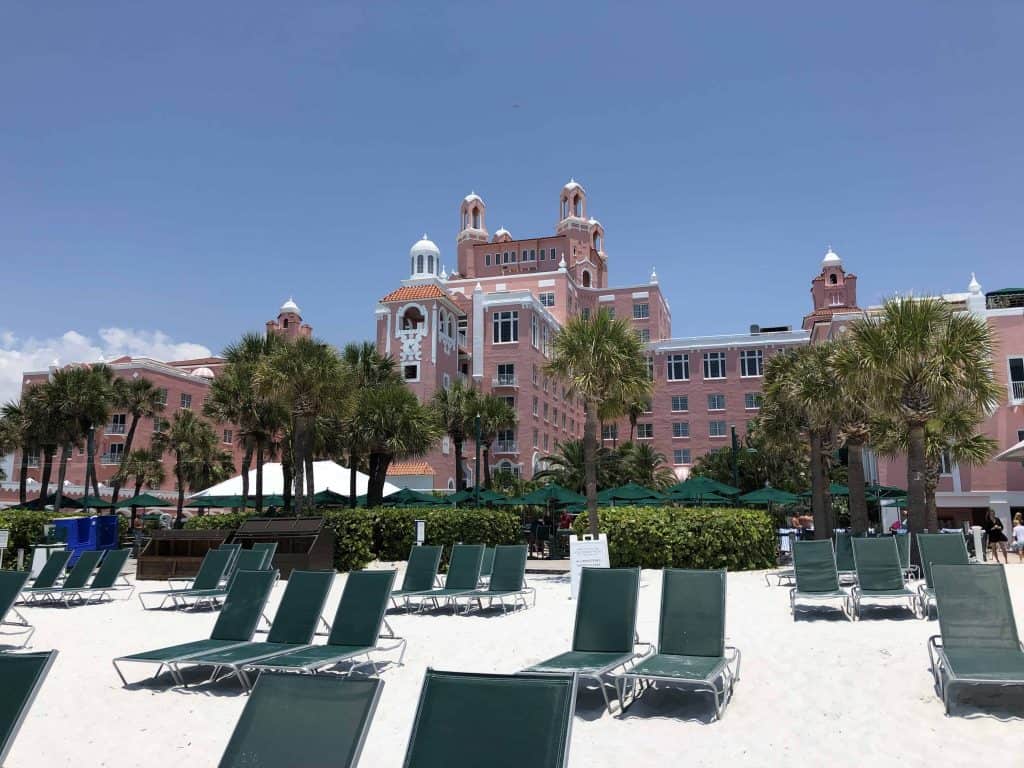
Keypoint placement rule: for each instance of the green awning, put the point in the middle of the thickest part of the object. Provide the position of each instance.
(768, 496)
(66, 502)
(630, 493)
(695, 487)
(553, 494)
(144, 500)
(406, 497)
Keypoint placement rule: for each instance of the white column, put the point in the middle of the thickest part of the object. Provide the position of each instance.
(478, 332)
(433, 335)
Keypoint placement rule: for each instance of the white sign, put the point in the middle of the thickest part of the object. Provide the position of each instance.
(585, 553)
(4, 538)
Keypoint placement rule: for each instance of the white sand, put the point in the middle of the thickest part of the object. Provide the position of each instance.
(812, 692)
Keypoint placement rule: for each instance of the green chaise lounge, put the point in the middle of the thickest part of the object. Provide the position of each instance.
(508, 578)
(979, 644)
(23, 674)
(879, 574)
(11, 584)
(814, 564)
(911, 572)
(238, 619)
(103, 583)
(245, 560)
(75, 581)
(211, 571)
(844, 558)
(462, 578)
(937, 549)
(420, 573)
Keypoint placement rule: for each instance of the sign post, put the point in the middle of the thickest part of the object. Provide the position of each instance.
(585, 553)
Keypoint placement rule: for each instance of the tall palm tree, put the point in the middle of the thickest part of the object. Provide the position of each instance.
(20, 429)
(601, 359)
(141, 399)
(146, 466)
(456, 408)
(198, 460)
(66, 400)
(495, 415)
(919, 360)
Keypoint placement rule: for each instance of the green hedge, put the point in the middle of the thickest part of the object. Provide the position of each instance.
(26, 529)
(671, 537)
(362, 535)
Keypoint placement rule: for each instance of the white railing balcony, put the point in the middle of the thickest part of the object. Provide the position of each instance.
(505, 380)
(110, 459)
(115, 429)
(506, 446)
(1018, 389)
(33, 462)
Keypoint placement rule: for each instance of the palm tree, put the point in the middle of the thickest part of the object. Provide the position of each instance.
(643, 465)
(141, 399)
(602, 360)
(567, 467)
(66, 400)
(198, 460)
(495, 415)
(147, 467)
(456, 408)
(920, 360)
(20, 429)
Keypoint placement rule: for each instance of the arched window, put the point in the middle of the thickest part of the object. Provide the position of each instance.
(476, 218)
(451, 483)
(586, 279)
(412, 265)
(832, 279)
(419, 263)
(597, 242)
(430, 263)
(411, 319)
(565, 208)
(465, 219)
(577, 206)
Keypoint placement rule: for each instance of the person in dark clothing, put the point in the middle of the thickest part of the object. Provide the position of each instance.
(996, 536)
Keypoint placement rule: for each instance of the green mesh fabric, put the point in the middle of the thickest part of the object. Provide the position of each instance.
(421, 568)
(270, 547)
(243, 605)
(301, 606)
(110, 569)
(975, 613)
(498, 721)
(11, 584)
(302, 720)
(361, 608)
(79, 574)
(692, 613)
(51, 570)
(212, 569)
(509, 568)
(878, 564)
(679, 667)
(22, 674)
(814, 564)
(844, 553)
(941, 549)
(464, 569)
(606, 610)
(487, 564)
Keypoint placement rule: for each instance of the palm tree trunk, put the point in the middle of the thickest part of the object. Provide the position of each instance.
(353, 473)
(298, 464)
(855, 479)
(179, 519)
(590, 464)
(128, 440)
(460, 481)
(486, 450)
(90, 460)
(259, 477)
(287, 478)
(135, 509)
(23, 480)
(917, 515)
(379, 463)
(931, 482)
(62, 471)
(246, 466)
(44, 480)
(818, 511)
(310, 505)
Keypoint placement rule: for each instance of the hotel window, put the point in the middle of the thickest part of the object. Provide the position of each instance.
(644, 431)
(716, 402)
(487, 259)
(751, 363)
(611, 312)
(506, 327)
(515, 255)
(545, 441)
(650, 367)
(648, 406)
(533, 255)
(114, 454)
(681, 456)
(678, 367)
(680, 403)
(446, 445)
(945, 463)
(536, 405)
(563, 420)
(610, 432)
(716, 429)
(644, 334)
(411, 372)
(446, 381)
(586, 313)
(506, 374)
(547, 299)
(641, 311)
(541, 255)
(554, 416)
(752, 401)
(162, 396)
(680, 429)
(546, 411)
(510, 400)
(186, 400)
(534, 375)
(1016, 366)
(536, 438)
(228, 437)
(117, 424)
(714, 365)
(158, 424)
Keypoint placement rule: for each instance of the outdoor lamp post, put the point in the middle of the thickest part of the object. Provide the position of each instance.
(476, 471)
(735, 458)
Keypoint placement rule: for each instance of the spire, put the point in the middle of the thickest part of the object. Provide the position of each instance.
(654, 276)
(562, 265)
(974, 286)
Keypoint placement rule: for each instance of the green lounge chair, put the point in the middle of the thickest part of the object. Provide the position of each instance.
(23, 674)
(211, 570)
(486, 566)
(75, 581)
(103, 582)
(245, 560)
(937, 549)
(303, 720)
(844, 558)
(11, 584)
(354, 632)
(270, 547)
(979, 644)
(910, 571)
(293, 626)
(189, 582)
(879, 574)
(463, 577)
(604, 636)
(507, 581)
(498, 721)
(420, 573)
(691, 651)
(817, 579)
(52, 570)
(235, 625)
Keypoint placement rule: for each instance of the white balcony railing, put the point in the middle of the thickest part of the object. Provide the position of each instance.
(1018, 389)
(115, 429)
(111, 459)
(506, 446)
(505, 380)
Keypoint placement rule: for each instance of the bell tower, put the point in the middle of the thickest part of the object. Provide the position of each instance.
(472, 230)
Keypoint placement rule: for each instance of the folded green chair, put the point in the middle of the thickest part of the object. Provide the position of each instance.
(844, 558)
(236, 624)
(420, 573)
(22, 675)
(817, 579)
(293, 627)
(691, 652)
(52, 570)
(462, 578)
(355, 631)
(979, 644)
(245, 560)
(507, 582)
(498, 721)
(604, 637)
(11, 584)
(937, 549)
(211, 571)
(72, 585)
(879, 574)
(303, 720)
(910, 571)
(486, 565)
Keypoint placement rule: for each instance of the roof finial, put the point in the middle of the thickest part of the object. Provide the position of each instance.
(974, 286)
(654, 276)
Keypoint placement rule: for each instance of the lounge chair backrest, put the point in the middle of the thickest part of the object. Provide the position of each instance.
(314, 721)
(903, 545)
(248, 560)
(234, 549)
(487, 564)
(470, 717)
(11, 584)
(80, 572)
(421, 568)
(464, 568)
(361, 608)
(844, 553)
(243, 605)
(212, 569)
(509, 570)
(606, 610)
(878, 563)
(22, 674)
(941, 549)
(301, 606)
(975, 612)
(814, 564)
(110, 568)
(692, 613)
(52, 569)
(270, 547)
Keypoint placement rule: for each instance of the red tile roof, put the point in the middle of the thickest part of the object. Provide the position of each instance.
(410, 468)
(411, 292)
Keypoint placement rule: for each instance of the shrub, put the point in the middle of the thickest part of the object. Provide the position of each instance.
(228, 521)
(705, 537)
(26, 529)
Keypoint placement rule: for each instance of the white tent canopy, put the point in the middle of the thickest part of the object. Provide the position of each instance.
(327, 476)
(1016, 453)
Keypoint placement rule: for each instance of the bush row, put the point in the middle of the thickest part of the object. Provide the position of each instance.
(673, 537)
(26, 529)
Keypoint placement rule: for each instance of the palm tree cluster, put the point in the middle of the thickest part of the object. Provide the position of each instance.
(914, 380)
(628, 463)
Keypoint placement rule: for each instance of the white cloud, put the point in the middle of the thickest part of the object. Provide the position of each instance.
(31, 354)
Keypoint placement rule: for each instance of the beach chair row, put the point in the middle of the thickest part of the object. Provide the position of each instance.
(96, 576)
(214, 578)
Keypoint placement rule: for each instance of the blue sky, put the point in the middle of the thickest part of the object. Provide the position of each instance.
(184, 167)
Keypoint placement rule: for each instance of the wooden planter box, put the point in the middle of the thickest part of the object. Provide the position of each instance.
(177, 553)
(303, 543)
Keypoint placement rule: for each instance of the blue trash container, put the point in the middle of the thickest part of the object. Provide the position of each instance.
(85, 533)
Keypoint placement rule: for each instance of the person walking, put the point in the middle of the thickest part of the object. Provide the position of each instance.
(996, 537)
(1018, 535)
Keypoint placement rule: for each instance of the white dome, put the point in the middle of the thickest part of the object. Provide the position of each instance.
(424, 245)
(502, 232)
(471, 197)
(573, 184)
(831, 259)
(290, 306)
(205, 372)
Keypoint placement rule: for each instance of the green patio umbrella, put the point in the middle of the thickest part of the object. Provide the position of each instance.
(468, 496)
(330, 498)
(834, 489)
(694, 487)
(700, 499)
(144, 500)
(406, 497)
(630, 493)
(66, 502)
(769, 496)
(553, 494)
